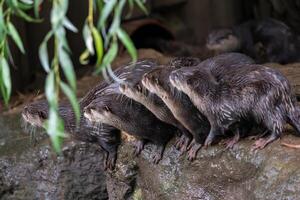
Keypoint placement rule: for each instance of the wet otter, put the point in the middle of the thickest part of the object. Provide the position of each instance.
(107, 137)
(268, 40)
(134, 89)
(113, 108)
(157, 81)
(237, 39)
(263, 94)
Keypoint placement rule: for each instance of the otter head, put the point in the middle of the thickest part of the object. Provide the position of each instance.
(222, 40)
(193, 81)
(182, 79)
(36, 113)
(157, 81)
(133, 90)
(98, 111)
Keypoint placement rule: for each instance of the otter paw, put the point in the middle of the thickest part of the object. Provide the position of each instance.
(229, 143)
(192, 153)
(259, 144)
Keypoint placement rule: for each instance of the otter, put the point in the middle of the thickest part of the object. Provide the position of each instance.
(134, 89)
(263, 94)
(107, 137)
(237, 39)
(157, 81)
(113, 108)
(181, 107)
(267, 40)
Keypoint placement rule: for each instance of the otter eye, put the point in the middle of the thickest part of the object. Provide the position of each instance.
(42, 115)
(107, 108)
(139, 88)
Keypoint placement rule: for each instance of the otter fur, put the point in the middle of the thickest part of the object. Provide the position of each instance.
(134, 89)
(262, 94)
(107, 137)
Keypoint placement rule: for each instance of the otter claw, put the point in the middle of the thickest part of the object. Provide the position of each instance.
(192, 154)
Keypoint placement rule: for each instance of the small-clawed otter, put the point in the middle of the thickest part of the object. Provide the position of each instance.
(237, 39)
(134, 89)
(157, 81)
(113, 108)
(104, 135)
(182, 108)
(267, 40)
(263, 94)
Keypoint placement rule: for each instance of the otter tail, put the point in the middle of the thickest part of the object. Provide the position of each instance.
(294, 119)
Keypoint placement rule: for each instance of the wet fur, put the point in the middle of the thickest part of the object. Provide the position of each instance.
(104, 135)
(262, 93)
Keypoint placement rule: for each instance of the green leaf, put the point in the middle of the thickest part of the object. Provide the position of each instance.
(98, 42)
(72, 98)
(67, 67)
(2, 26)
(88, 38)
(5, 80)
(50, 89)
(28, 17)
(36, 7)
(60, 33)
(109, 56)
(84, 57)
(131, 6)
(141, 6)
(105, 12)
(43, 53)
(30, 2)
(55, 129)
(15, 36)
(58, 13)
(24, 6)
(125, 39)
(69, 25)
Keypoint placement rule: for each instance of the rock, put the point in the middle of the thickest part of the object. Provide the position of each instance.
(217, 174)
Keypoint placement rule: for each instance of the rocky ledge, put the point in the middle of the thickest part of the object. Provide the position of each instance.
(30, 171)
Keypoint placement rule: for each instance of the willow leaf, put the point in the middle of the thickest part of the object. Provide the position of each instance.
(15, 36)
(67, 66)
(98, 42)
(72, 98)
(125, 39)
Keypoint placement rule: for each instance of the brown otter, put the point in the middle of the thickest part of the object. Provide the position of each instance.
(113, 108)
(263, 94)
(184, 111)
(104, 135)
(267, 40)
(157, 81)
(134, 89)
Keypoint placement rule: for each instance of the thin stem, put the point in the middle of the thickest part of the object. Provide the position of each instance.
(90, 15)
(56, 66)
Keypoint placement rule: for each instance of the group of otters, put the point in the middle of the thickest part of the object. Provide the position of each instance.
(196, 101)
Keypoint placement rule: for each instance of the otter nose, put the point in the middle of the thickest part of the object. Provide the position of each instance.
(122, 87)
(87, 110)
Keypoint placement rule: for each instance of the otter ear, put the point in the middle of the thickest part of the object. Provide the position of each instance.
(42, 115)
